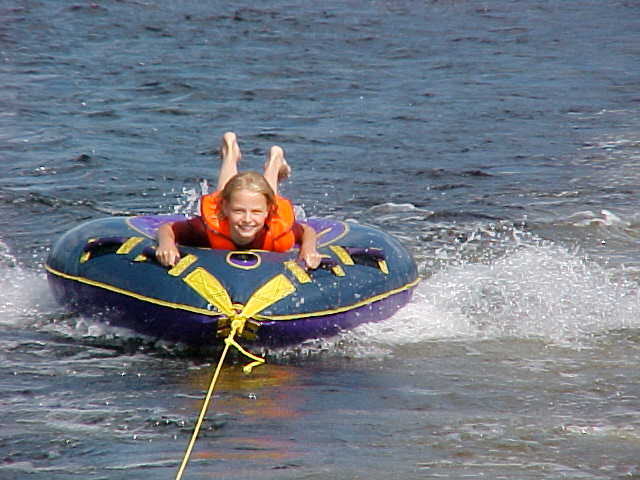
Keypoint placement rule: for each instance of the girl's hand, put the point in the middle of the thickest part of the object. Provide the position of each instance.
(306, 237)
(168, 255)
(167, 252)
(310, 257)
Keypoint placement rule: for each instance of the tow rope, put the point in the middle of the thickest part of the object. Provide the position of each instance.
(211, 289)
(237, 326)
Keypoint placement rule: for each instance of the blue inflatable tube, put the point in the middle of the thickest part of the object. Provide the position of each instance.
(106, 268)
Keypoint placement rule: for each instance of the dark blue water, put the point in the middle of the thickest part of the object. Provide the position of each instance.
(497, 139)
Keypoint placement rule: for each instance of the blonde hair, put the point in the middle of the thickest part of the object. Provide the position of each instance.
(252, 181)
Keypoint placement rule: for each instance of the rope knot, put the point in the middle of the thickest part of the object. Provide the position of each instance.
(238, 322)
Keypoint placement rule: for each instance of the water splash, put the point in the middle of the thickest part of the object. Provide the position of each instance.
(25, 293)
(27, 303)
(189, 199)
(535, 292)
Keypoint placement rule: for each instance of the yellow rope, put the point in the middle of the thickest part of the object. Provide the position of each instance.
(237, 325)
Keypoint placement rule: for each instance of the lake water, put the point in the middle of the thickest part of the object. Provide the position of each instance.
(499, 140)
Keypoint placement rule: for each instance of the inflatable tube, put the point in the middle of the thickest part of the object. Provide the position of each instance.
(106, 268)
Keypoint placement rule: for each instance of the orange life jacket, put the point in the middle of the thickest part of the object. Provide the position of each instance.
(277, 236)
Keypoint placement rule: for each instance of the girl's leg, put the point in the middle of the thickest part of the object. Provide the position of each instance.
(230, 155)
(276, 167)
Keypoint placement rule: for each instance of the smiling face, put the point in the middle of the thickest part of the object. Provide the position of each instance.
(246, 211)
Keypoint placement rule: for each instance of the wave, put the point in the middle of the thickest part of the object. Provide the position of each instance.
(603, 218)
(543, 292)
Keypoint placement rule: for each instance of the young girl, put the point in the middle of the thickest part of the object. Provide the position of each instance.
(245, 212)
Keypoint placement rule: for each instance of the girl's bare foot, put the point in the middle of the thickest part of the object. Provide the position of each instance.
(277, 163)
(229, 148)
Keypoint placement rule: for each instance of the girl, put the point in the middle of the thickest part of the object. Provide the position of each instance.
(245, 212)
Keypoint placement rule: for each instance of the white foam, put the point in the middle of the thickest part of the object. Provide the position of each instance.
(391, 207)
(604, 218)
(543, 292)
(25, 292)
